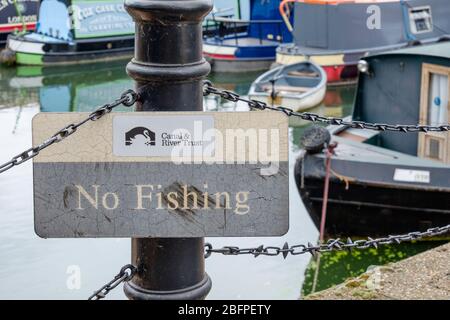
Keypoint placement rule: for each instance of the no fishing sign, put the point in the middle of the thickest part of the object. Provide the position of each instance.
(159, 174)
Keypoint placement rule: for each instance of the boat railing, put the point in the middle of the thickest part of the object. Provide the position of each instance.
(233, 28)
(210, 26)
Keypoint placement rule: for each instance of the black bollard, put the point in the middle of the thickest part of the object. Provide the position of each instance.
(168, 68)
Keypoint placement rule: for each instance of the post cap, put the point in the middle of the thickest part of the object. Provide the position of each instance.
(166, 11)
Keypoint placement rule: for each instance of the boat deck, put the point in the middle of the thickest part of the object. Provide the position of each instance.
(34, 36)
(292, 49)
(363, 152)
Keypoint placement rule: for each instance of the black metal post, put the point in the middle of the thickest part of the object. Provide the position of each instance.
(168, 68)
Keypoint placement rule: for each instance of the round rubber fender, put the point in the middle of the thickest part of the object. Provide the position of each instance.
(7, 57)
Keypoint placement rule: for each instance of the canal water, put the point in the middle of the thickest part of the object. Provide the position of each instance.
(35, 268)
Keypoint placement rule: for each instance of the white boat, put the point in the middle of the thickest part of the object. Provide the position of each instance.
(298, 86)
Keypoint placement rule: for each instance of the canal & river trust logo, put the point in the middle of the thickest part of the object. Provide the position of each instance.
(140, 136)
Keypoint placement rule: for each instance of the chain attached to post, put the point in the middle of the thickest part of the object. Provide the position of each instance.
(330, 245)
(128, 98)
(126, 273)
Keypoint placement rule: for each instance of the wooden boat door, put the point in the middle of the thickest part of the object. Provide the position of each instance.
(435, 110)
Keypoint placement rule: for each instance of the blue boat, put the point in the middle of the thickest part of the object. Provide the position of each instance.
(252, 49)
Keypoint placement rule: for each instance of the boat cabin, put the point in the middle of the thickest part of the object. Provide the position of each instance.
(16, 16)
(326, 24)
(241, 45)
(87, 19)
(336, 33)
(75, 31)
(229, 9)
(405, 86)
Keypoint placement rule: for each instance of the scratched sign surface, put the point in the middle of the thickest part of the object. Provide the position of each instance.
(180, 174)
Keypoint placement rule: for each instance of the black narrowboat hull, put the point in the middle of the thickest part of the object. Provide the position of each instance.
(3, 38)
(372, 206)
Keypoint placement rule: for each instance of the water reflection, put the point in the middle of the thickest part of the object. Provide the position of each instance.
(78, 88)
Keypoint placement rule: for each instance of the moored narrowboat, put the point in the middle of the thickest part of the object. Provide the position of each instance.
(337, 33)
(384, 182)
(74, 31)
(15, 16)
(250, 50)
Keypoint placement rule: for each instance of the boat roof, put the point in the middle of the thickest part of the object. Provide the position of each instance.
(364, 152)
(440, 50)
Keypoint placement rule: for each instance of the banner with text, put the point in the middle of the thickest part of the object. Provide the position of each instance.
(102, 18)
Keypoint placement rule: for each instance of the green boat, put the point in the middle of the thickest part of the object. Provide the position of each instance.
(75, 31)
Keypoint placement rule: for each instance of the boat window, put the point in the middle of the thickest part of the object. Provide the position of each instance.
(54, 20)
(438, 98)
(433, 148)
(420, 19)
(434, 111)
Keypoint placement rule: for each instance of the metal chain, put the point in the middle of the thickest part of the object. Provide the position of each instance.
(208, 89)
(330, 245)
(126, 273)
(128, 98)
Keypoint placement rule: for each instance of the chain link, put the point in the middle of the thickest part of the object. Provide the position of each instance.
(128, 98)
(330, 245)
(208, 89)
(126, 273)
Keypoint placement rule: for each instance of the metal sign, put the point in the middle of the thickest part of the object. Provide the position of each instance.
(156, 174)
